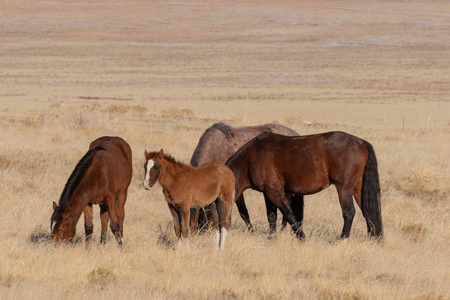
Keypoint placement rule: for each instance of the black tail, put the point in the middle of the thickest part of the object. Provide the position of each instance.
(371, 195)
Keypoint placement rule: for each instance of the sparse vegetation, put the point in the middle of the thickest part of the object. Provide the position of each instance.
(375, 69)
(253, 266)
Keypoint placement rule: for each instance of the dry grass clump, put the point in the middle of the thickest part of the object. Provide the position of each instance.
(117, 109)
(424, 183)
(101, 277)
(414, 231)
(122, 109)
(88, 119)
(181, 113)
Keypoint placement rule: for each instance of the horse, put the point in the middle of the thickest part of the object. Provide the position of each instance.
(217, 144)
(185, 186)
(102, 176)
(274, 164)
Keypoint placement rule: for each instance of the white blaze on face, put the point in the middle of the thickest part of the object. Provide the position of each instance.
(53, 225)
(150, 164)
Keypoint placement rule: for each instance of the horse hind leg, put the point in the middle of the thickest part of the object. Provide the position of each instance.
(243, 212)
(271, 210)
(121, 214)
(114, 222)
(223, 210)
(348, 210)
(214, 214)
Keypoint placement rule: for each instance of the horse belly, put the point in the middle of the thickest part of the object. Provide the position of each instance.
(205, 194)
(307, 184)
(199, 200)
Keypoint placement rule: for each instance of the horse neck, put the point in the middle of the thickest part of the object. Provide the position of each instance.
(169, 172)
(78, 201)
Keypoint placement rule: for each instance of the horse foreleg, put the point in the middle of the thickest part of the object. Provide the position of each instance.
(185, 213)
(348, 209)
(194, 221)
(243, 212)
(176, 222)
(297, 205)
(104, 218)
(88, 223)
(121, 212)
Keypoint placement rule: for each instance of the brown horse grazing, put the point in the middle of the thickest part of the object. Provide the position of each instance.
(217, 144)
(186, 186)
(102, 176)
(273, 164)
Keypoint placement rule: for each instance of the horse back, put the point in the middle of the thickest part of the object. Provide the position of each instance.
(114, 145)
(346, 155)
(219, 142)
(303, 164)
(209, 180)
(110, 169)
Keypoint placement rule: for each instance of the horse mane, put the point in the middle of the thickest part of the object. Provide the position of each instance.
(222, 127)
(74, 180)
(172, 159)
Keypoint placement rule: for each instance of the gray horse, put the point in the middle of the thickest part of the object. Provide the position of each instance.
(220, 142)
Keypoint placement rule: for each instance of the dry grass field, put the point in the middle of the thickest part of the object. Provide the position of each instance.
(158, 74)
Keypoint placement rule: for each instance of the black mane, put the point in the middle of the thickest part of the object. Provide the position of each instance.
(73, 181)
(225, 129)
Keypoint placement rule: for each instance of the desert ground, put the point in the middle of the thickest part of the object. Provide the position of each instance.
(158, 74)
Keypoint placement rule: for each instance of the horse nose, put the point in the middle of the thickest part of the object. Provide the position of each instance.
(146, 185)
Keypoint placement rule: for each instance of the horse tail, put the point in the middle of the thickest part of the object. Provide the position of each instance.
(76, 176)
(371, 194)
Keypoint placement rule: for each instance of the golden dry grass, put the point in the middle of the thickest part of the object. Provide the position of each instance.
(158, 74)
(38, 158)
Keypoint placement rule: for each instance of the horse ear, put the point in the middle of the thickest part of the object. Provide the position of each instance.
(161, 153)
(68, 211)
(54, 205)
(146, 153)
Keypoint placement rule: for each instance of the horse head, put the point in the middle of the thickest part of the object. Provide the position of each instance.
(152, 168)
(61, 228)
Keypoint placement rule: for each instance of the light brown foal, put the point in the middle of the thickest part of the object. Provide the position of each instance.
(185, 186)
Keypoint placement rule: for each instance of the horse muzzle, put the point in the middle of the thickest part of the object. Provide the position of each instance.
(147, 186)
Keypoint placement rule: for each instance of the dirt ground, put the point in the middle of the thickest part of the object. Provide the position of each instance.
(346, 51)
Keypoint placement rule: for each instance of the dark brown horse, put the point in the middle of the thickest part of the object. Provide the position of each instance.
(217, 144)
(274, 164)
(185, 186)
(102, 176)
